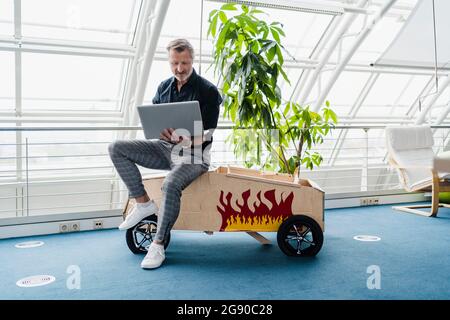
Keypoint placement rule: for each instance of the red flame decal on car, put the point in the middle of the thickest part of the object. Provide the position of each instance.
(262, 218)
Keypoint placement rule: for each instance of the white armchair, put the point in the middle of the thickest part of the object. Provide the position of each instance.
(410, 151)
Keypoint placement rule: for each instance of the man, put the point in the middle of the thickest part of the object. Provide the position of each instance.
(185, 85)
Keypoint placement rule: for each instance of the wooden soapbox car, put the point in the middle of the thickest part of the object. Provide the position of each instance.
(238, 199)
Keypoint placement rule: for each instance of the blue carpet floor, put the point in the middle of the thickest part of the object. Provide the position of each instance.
(413, 257)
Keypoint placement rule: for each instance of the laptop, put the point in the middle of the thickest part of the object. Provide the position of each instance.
(185, 117)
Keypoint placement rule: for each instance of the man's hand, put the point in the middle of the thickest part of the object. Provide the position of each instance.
(169, 135)
(185, 141)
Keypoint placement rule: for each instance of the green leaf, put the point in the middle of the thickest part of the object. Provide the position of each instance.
(256, 11)
(278, 94)
(285, 77)
(233, 111)
(333, 116)
(277, 116)
(275, 23)
(229, 7)
(280, 31)
(213, 26)
(295, 107)
(287, 108)
(223, 17)
(267, 45)
(280, 55)
(275, 35)
(273, 75)
(222, 37)
(247, 22)
(213, 12)
(271, 53)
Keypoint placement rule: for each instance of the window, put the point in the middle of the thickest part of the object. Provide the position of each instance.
(346, 91)
(82, 20)
(7, 17)
(7, 155)
(7, 85)
(66, 153)
(71, 83)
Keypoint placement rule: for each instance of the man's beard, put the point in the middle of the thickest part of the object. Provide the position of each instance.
(183, 76)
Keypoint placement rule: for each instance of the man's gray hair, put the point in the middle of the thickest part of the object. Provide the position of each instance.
(180, 45)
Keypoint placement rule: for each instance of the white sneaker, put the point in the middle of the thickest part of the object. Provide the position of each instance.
(154, 257)
(138, 213)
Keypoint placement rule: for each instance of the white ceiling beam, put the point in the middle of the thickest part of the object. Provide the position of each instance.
(18, 83)
(65, 44)
(147, 37)
(312, 6)
(88, 53)
(86, 119)
(144, 20)
(311, 64)
(155, 32)
(57, 26)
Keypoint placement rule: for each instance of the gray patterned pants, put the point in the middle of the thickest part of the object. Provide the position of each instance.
(161, 155)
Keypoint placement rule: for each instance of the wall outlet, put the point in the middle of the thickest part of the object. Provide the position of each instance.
(370, 201)
(74, 226)
(64, 227)
(98, 224)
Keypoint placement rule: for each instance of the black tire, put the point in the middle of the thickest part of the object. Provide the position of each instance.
(300, 236)
(141, 235)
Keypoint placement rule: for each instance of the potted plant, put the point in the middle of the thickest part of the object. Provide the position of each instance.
(248, 58)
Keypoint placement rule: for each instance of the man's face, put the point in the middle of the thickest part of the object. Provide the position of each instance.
(180, 64)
